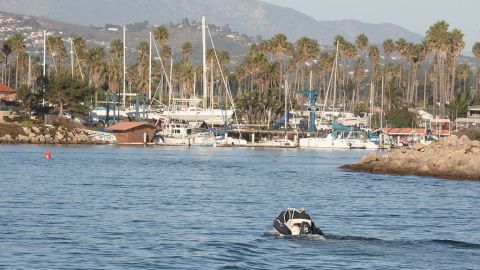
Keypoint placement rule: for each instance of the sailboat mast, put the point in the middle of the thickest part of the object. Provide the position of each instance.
(286, 110)
(44, 64)
(335, 80)
(44, 52)
(150, 72)
(71, 55)
(204, 62)
(124, 68)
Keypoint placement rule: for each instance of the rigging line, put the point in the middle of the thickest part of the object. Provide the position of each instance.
(51, 54)
(328, 87)
(78, 62)
(227, 89)
(163, 68)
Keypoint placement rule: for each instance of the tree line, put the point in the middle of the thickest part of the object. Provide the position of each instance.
(421, 75)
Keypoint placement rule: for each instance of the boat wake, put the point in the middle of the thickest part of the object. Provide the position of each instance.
(334, 238)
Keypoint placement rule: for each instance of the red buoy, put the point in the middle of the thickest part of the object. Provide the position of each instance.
(48, 155)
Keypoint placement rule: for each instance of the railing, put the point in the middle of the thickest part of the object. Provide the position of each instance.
(101, 136)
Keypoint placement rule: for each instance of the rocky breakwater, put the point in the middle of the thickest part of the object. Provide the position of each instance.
(453, 157)
(12, 133)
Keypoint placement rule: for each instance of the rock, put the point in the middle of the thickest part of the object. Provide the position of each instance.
(35, 129)
(23, 139)
(418, 146)
(48, 136)
(451, 157)
(368, 159)
(464, 139)
(27, 130)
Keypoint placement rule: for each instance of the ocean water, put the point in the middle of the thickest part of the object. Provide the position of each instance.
(110, 207)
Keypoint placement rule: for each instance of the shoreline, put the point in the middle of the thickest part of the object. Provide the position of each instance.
(13, 133)
(454, 158)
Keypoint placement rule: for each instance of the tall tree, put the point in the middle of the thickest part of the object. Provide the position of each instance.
(476, 52)
(18, 47)
(374, 56)
(142, 62)
(115, 68)
(362, 42)
(57, 49)
(187, 50)
(282, 48)
(438, 39)
(456, 46)
(7, 50)
(306, 49)
(389, 49)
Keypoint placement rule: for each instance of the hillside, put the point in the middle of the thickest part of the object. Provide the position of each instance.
(252, 17)
(33, 26)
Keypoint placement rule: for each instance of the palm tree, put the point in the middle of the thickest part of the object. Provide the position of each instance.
(476, 52)
(359, 75)
(388, 48)
(404, 48)
(81, 52)
(115, 68)
(18, 47)
(438, 39)
(362, 42)
(456, 46)
(374, 56)
(186, 51)
(142, 65)
(463, 74)
(282, 48)
(161, 34)
(97, 68)
(57, 48)
(7, 50)
(306, 49)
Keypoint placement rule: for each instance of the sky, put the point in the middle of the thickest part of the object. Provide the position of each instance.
(414, 15)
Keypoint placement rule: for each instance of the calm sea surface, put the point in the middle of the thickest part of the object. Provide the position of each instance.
(109, 207)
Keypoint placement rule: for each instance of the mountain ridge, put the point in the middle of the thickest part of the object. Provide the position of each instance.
(252, 17)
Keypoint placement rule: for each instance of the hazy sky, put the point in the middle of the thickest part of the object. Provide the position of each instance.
(415, 15)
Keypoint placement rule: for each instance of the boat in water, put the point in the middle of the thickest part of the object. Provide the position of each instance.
(295, 222)
(341, 137)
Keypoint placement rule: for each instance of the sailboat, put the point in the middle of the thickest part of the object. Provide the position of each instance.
(341, 137)
(196, 110)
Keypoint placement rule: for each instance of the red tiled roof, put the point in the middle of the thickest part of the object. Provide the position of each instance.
(5, 89)
(408, 131)
(123, 126)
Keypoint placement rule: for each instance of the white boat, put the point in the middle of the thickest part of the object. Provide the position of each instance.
(324, 142)
(343, 140)
(193, 114)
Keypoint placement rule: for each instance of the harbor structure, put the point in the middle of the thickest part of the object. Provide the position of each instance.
(133, 132)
